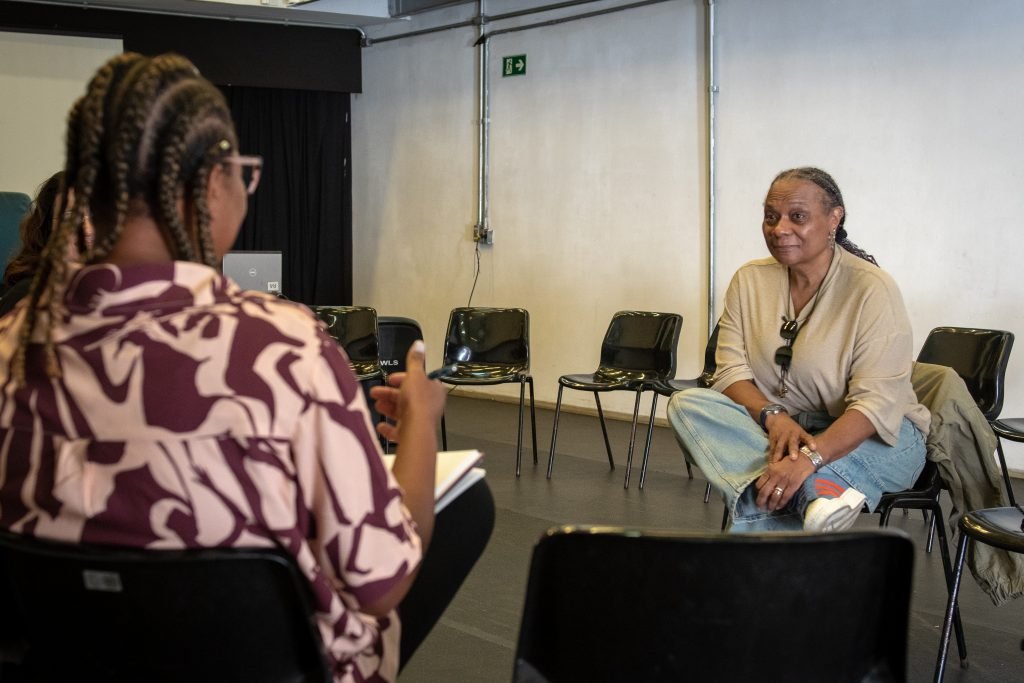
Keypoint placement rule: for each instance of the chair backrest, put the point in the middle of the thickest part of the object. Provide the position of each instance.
(115, 614)
(396, 336)
(979, 356)
(494, 337)
(641, 344)
(617, 605)
(355, 329)
(13, 207)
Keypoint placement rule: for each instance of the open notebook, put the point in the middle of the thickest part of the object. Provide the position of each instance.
(456, 472)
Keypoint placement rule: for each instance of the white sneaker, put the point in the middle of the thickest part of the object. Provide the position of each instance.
(834, 514)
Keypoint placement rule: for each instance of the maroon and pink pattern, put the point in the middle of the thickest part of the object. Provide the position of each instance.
(195, 414)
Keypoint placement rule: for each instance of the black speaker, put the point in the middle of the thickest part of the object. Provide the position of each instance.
(396, 335)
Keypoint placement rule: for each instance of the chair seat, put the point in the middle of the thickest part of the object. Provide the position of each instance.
(999, 527)
(667, 387)
(365, 370)
(594, 381)
(1011, 428)
(485, 373)
(925, 490)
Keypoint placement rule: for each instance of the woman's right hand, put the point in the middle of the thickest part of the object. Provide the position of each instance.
(410, 396)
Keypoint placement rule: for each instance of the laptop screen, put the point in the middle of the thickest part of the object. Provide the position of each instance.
(256, 270)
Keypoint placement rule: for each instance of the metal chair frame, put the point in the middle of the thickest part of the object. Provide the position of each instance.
(498, 341)
(639, 348)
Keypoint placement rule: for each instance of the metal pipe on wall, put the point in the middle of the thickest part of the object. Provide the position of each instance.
(575, 17)
(712, 77)
(482, 232)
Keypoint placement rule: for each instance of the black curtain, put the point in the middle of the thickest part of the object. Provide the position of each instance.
(303, 206)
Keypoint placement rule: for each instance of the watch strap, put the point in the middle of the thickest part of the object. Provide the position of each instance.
(770, 409)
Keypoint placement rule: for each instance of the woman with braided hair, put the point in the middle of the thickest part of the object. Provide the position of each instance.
(811, 413)
(145, 400)
(35, 230)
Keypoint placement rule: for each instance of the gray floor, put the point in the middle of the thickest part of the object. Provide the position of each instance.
(475, 640)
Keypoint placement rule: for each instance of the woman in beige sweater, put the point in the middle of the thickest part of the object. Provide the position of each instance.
(811, 413)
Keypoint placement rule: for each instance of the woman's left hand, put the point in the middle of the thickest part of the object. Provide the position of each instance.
(785, 437)
(783, 478)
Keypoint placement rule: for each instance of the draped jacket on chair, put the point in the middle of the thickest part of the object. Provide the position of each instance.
(961, 444)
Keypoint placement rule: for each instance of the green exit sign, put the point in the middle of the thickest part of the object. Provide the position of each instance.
(513, 66)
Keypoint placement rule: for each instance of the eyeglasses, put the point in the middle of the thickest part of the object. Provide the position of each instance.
(784, 354)
(251, 167)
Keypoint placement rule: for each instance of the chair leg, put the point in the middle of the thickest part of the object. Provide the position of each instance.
(951, 609)
(707, 493)
(725, 516)
(444, 435)
(958, 627)
(946, 569)
(533, 420)
(689, 471)
(931, 533)
(632, 437)
(647, 444)
(604, 431)
(1006, 472)
(554, 431)
(519, 434)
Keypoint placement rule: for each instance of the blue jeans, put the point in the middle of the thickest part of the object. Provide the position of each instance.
(731, 450)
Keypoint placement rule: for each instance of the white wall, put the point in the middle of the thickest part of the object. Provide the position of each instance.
(597, 183)
(40, 78)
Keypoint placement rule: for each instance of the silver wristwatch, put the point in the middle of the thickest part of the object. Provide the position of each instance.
(814, 457)
(770, 409)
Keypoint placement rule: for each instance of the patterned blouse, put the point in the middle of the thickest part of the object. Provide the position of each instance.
(194, 414)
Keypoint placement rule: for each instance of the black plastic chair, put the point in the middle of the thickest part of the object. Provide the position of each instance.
(395, 336)
(355, 330)
(667, 387)
(980, 358)
(638, 348)
(609, 604)
(116, 614)
(999, 527)
(497, 341)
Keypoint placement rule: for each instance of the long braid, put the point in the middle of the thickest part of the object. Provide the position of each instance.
(139, 88)
(203, 217)
(91, 126)
(179, 161)
(117, 163)
(833, 198)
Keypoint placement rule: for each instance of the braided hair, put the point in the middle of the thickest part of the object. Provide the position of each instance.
(142, 140)
(833, 198)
